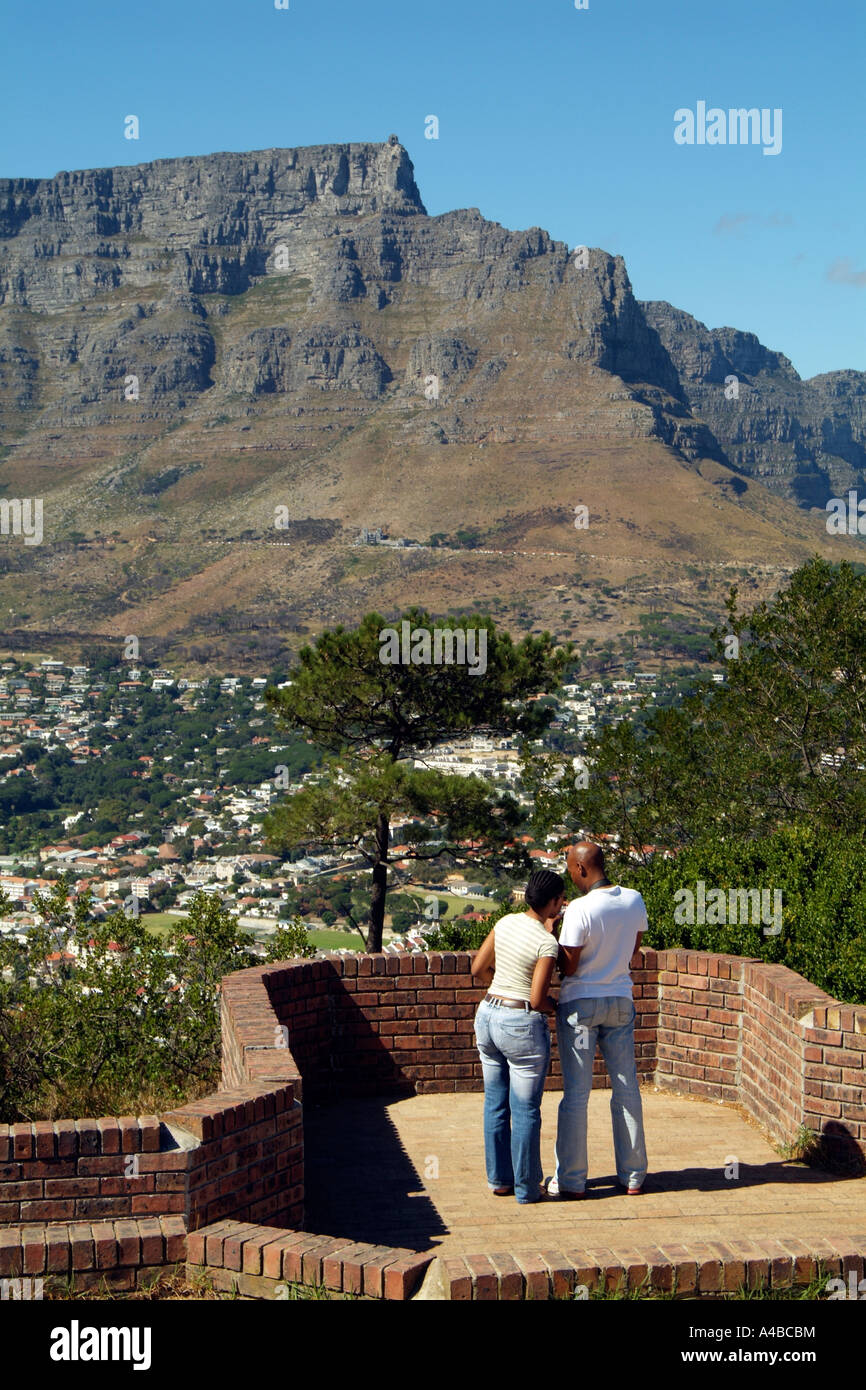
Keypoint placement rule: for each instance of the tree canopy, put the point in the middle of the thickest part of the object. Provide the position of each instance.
(377, 718)
(781, 741)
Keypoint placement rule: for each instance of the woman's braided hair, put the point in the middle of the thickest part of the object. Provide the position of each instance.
(543, 885)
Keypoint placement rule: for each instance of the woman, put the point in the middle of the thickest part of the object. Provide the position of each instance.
(516, 959)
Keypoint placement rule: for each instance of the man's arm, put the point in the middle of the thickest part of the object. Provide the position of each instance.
(568, 959)
(573, 930)
(554, 926)
(640, 935)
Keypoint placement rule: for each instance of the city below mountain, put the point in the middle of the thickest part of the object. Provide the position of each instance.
(259, 394)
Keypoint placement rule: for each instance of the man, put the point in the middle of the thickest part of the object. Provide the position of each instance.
(600, 933)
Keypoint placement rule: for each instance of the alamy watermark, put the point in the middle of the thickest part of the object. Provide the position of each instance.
(836, 1290)
(717, 907)
(844, 517)
(422, 646)
(732, 127)
(581, 773)
(77, 1343)
(22, 516)
(21, 1290)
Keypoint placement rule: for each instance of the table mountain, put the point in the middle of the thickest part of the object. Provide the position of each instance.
(217, 370)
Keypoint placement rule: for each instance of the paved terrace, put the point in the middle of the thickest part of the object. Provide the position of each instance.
(410, 1173)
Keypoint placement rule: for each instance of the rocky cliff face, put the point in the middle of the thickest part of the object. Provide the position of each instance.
(109, 274)
(221, 212)
(188, 344)
(139, 272)
(804, 439)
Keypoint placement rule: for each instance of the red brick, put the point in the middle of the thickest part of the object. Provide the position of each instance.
(161, 1204)
(233, 1244)
(81, 1239)
(109, 1131)
(781, 1264)
(685, 1268)
(332, 1264)
(509, 1276)
(252, 1248)
(457, 1278)
(21, 1191)
(88, 1137)
(33, 1249)
(151, 1241)
(283, 1258)
(57, 1250)
(353, 1260)
(312, 1259)
(11, 1263)
(105, 1245)
(22, 1141)
(130, 1138)
(44, 1141)
(403, 1277)
(129, 1243)
(561, 1273)
(54, 1210)
(535, 1273)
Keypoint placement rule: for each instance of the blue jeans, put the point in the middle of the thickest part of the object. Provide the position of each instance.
(580, 1024)
(515, 1055)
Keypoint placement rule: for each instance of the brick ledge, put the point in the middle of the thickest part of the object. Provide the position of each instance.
(258, 1259)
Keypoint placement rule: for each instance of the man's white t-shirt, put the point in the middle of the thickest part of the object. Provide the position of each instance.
(605, 922)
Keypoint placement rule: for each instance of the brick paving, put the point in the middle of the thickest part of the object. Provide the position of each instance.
(410, 1173)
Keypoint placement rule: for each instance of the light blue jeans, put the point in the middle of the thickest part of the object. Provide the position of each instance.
(514, 1045)
(580, 1024)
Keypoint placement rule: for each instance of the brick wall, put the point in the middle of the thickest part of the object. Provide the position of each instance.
(115, 1196)
(719, 1026)
(238, 1153)
(736, 1029)
(364, 1024)
(834, 1074)
(248, 1163)
(86, 1170)
(700, 1021)
(122, 1253)
(773, 1059)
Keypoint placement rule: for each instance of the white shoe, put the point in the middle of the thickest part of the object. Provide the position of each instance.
(564, 1194)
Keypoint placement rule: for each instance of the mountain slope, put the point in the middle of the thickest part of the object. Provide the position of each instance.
(215, 371)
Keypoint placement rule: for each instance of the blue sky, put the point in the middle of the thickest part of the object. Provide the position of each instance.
(548, 116)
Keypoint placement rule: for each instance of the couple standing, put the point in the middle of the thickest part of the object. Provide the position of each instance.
(600, 933)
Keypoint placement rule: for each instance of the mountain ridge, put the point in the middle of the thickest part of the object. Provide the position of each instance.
(187, 345)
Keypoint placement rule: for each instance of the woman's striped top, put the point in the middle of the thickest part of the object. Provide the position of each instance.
(519, 941)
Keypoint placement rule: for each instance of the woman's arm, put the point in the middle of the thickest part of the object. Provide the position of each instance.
(539, 997)
(485, 960)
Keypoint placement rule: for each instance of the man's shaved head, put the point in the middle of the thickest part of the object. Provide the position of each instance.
(590, 855)
(585, 862)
